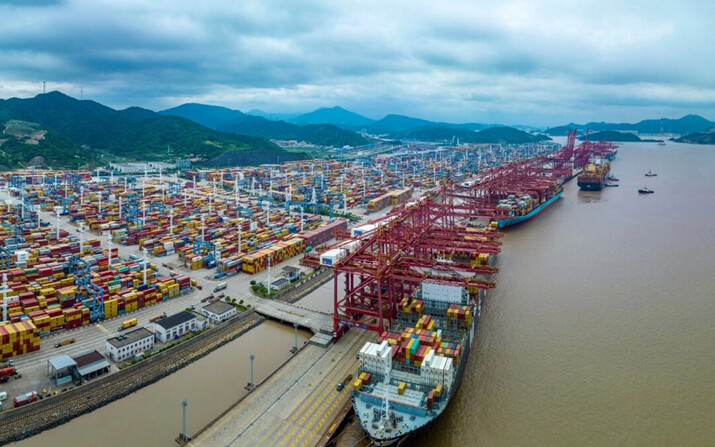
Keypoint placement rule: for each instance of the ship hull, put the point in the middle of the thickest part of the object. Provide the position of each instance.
(590, 186)
(515, 220)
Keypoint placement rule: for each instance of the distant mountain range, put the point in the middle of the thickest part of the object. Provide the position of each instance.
(336, 116)
(56, 130)
(685, 125)
(82, 131)
(237, 122)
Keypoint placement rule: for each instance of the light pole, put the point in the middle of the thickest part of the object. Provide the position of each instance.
(81, 239)
(109, 253)
(239, 239)
(251, 385)
(4, 297)
(171, 221)
(269, 276)
(203, 230)
(146, 262)
(184, 436)
(295, 339)
(58, 225)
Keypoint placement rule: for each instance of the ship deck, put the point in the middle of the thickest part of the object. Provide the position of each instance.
(409, 409)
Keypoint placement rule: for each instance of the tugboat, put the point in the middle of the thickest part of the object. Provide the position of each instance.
(650, 173)
(645, 190)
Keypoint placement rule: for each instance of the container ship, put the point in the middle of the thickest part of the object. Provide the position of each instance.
(407, 379)
(517, 208)
(594, 175)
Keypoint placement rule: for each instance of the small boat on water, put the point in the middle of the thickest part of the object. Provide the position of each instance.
(612, 178)
(650, 173)
(611, 185)
(645, 190)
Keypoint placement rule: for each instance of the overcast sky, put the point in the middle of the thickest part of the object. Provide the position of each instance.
(533, 62)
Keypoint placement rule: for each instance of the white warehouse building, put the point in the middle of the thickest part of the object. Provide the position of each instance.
(129, 343)
(175, 326)
(218, 311)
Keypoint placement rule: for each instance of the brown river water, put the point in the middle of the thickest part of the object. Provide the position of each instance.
(600, 332)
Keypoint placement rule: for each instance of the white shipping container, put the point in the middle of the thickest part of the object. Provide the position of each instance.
(442, 292)
(331, 257)
(357, 231)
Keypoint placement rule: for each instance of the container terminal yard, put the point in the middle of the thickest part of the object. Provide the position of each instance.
(83, 253)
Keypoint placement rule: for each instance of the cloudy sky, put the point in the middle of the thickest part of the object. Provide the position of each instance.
(533, 62)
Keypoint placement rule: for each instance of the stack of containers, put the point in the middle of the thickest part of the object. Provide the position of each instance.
(18, 338)
(463, 314)
(452, 350)
(111, 308)
(324, 233)
(409, 305)
(73, 317)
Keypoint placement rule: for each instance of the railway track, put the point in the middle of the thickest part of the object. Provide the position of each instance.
(50, 412)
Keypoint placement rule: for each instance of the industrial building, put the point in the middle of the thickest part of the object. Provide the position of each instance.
(126, 345)
(64, 368)
(218, 311)
(280, 283)
(174, 326)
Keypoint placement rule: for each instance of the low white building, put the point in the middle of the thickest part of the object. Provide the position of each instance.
(174, 326)
(218, 311)
(129, 343)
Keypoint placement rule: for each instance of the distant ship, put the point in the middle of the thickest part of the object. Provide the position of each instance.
(650, 173)
(645, 190)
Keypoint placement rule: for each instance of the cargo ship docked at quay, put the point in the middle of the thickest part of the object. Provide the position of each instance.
(594, 174)
(407, 379)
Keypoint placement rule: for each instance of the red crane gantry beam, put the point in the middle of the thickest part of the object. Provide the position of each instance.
(401, 255)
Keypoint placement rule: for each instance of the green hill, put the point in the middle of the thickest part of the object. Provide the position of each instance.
(133, 133)
(612, 135)
(707, 137)
(153, 138)
(24, 144)
(319, 134)
(685, 125)
(450, 135)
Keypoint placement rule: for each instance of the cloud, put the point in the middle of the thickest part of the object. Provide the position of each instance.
(511, 61)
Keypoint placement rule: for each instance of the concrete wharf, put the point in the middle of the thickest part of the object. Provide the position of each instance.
(296, 405)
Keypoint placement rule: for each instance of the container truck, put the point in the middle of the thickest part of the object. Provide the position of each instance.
(69, 341)
(345, 381)
(24, 399)
(127, 324)
(220, 286)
